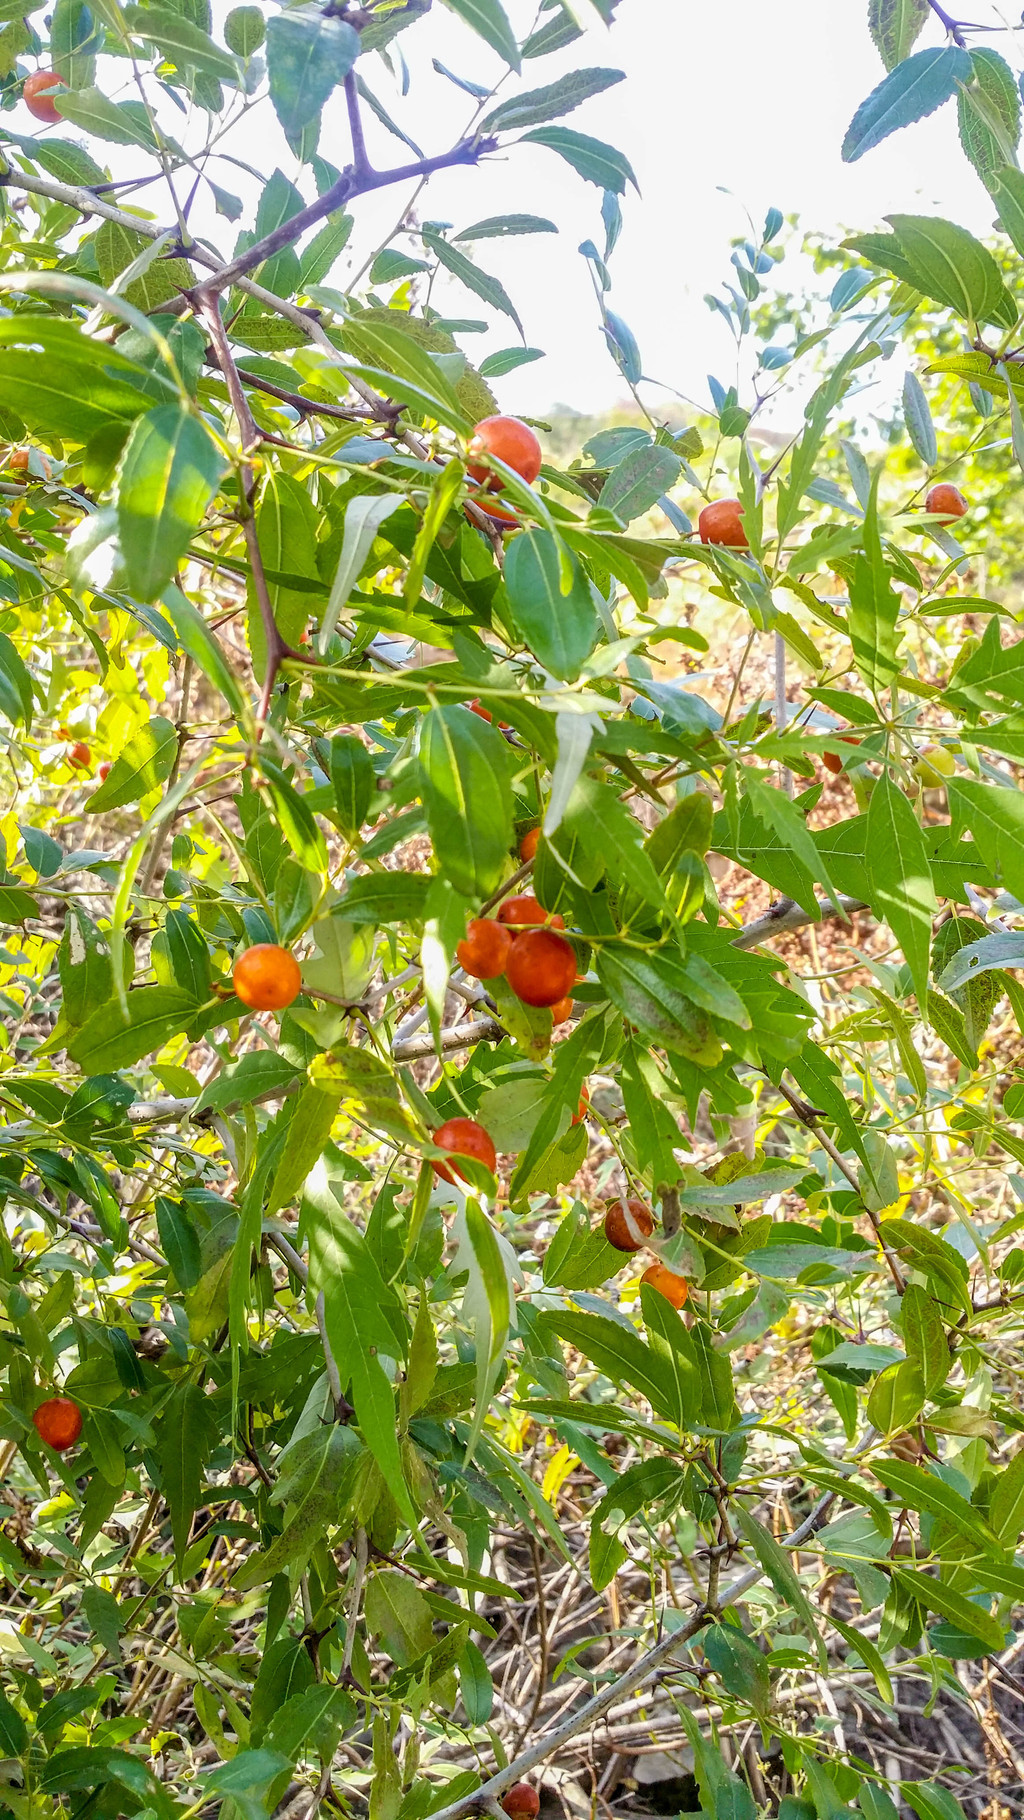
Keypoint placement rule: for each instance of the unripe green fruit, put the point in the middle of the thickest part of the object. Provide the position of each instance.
(244, 30)
(933, 766)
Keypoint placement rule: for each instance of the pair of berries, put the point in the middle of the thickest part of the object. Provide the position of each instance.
(523, 943)
(628, 1225)
(721, 522)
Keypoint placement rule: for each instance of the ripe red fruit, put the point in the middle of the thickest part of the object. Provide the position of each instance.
(104, 770)
(510, 441)
(581, 1110)
(529, 844)
(80, 756)
(722, 522)
(266, 977)
(948, 500)
(477, 707)
(628, 1224)
(484, 951)
(36, 96)
(525, 912)
(562, 1012)
(18, 460)
(522, 1802)
(675, 1289)
(58, 1422)
(463, 1137)
(541, 967)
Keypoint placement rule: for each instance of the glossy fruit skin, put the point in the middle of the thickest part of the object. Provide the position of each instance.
(541, 967)
(58, 1422)
(629, 1226)
(104, 770)
(266, 977)
(484, 951)
(948, 500)
(562, 1011)
(522, 1802)
(37, 99)
(675, 1289)
(933, 767)
(525, 913)
(529, 844)
(18, 460)
(464, 1137)
(80, 756)
(510, 441)
(722, 522)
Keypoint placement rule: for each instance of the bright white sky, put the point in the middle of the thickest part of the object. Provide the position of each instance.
(739, 96)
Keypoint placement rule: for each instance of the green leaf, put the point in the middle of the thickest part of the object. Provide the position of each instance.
(144, 764)
(937, 1596)
(308, 1135)
(775, 809)
(168, 475)
(118, 122)
(988, 110)
(995, 817)
(286, 525)
(779, 1567)
(75, 38)
(308, 54)
(489, 20)
(364, 516)
(500, 227)
(295, 819)
(560, 624)
(180, 1241)
(536, 105)
(13, 1730)
(925, 1491)
(622, 1355)
(924, 1336)
(950, 266)
(639, 480)
(480, 283)
(107, 1041)
(895, 26)
(466, 794)
(932, 1802)
(900, 881)
(1007, 1507)
(15, 685)
(185, 1433)
(244, 30)
(911, 91)
(653, 992)
(739, 1664)
(354, 781)
(397, 1612)
(182, 42)
(897, 1397)
(506, 360)
(592, 158)
(388, 345)
(475, 1685)
(579, 1256)
(918, 420)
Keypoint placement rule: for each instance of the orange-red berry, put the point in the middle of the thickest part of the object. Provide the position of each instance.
(522, 1802)
(484, 950)
(526, 913)
(529, 844)
(628, 1224)
(104, 770)
(80, 756)
(463, 1137)
(675, 1289)
(510, 441)
(58, 1422)
(36, 95)
(266, 977)
(948, 500)
(541, 967)
(562, 1011)
(722, 522)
